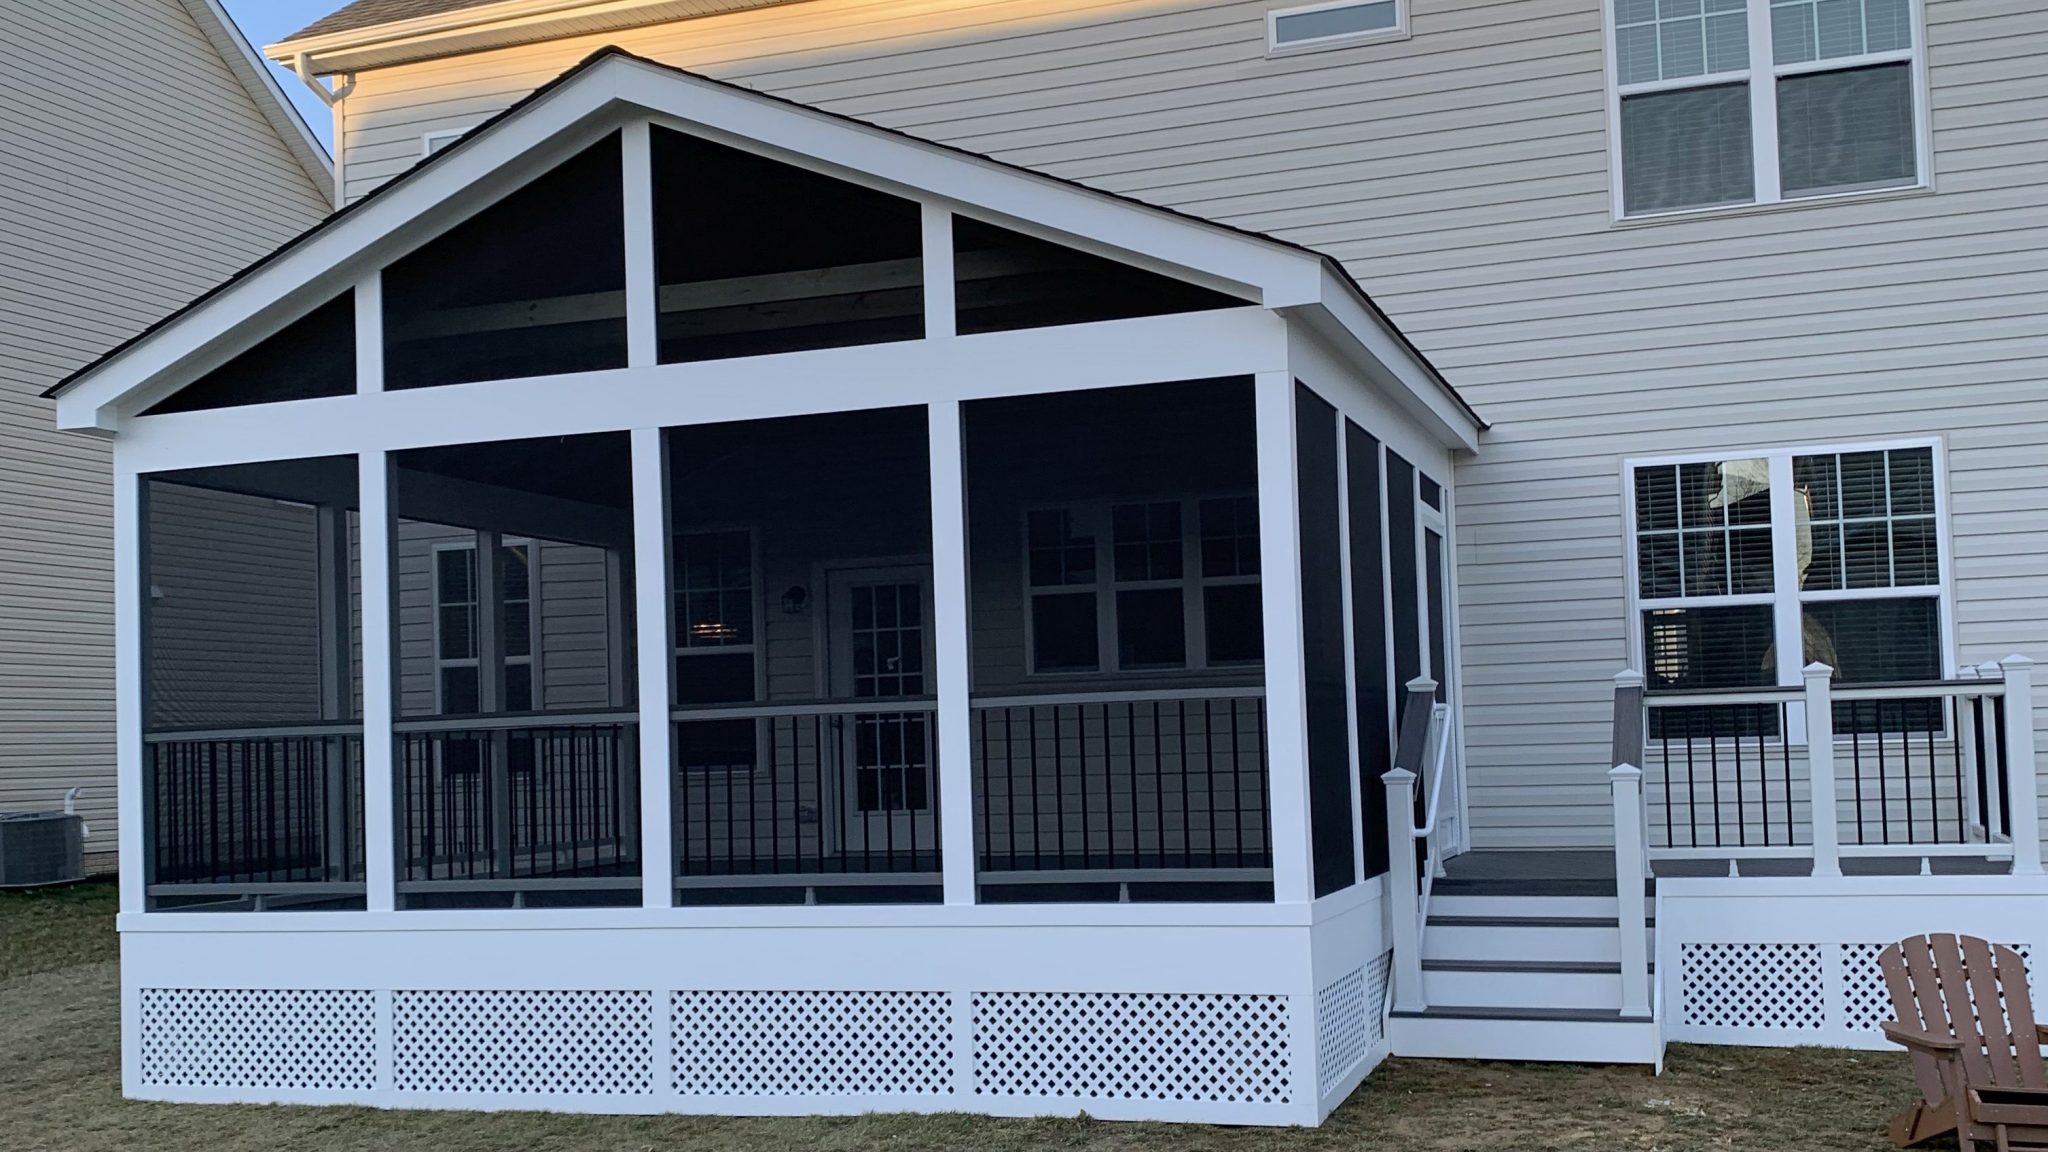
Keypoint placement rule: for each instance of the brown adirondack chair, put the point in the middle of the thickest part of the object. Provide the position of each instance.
(1965, 1015)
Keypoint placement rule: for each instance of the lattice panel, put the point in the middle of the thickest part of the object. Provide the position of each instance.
(1378, 976)
(1752, 986)
(1866, 1003)
(1341, 1034)
(1133, 1046)
(323, 1041)
(811, 1043)
(558, 1043)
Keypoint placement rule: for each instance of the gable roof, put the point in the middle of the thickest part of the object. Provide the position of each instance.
(369, 13)
(1284, 274)
(256, 78)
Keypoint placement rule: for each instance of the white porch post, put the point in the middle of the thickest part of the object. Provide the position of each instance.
(949, 599)
(335, 672)
(1627, 783)
(636, 169)
(1404, 901)
(1820, 770)
(2020, 771)
(380, 861)
(1280, 595)
(657, 660)
(131, 616)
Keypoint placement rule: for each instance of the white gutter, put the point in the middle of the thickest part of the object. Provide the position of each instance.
(302, 67)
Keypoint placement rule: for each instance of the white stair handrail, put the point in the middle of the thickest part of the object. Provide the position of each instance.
(1408, 893)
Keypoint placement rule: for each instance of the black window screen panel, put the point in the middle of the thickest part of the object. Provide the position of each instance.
(755, 256)
(1005, 280)
(533, 285)
(1686, 149)
(1439, 637)
(311, 357)
(1373, 694)
(1401, 565)
(1322, 641)
(1885, 641)
(1848, 130)
(1695, 649)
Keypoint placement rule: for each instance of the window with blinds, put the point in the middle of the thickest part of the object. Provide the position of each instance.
(1722, 102)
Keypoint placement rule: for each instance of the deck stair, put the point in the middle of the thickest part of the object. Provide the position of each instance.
(1524, 969)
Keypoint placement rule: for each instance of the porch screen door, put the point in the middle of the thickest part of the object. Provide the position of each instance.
(1436, 614)
(880, 646)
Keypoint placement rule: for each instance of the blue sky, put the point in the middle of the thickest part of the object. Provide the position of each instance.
(267, 22)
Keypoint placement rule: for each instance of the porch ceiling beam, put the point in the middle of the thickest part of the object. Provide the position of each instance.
(1153, 349)
(436, 499)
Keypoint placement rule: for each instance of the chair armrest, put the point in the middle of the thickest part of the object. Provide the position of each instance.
(2041, 1033)
(1922, 1041)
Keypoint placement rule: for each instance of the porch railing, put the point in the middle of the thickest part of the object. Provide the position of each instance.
(261, 813)
(525, 803)
(1918, 769)
(1414, 841)
(1122, 788)
(807, 795)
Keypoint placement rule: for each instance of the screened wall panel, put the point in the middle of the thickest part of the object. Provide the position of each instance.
(1373, 700)
(513, 646)
(533, 285)
(801, 593)
(252, 746)
(312, 357)
(1005, 279)
(1322, 641)
(754, 256)
(1402, 572)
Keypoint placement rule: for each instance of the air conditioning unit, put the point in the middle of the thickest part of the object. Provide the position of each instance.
(38, 848)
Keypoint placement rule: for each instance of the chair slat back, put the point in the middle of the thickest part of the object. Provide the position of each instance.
(1962, 987)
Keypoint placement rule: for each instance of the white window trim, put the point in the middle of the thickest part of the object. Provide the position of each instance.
(1786, 597)
(1194, 623)
(433, 142)
(1763, 115)
(532, 658)
(1274, 47)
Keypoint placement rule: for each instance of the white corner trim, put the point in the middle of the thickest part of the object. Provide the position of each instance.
(255, 75)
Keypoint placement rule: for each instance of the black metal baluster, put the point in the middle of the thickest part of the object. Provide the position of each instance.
(1855, 768)
(1158, 789)
(1037, 835)
(1692, 787)
(1785, 756)
(1714, 769)
(1059, 792)
(1236, 786)
(2004, 767)
(1884, 784)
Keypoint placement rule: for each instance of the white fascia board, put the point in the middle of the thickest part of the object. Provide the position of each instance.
(329, 261)
(1275, 275)
(513, 18)
(1391, 362)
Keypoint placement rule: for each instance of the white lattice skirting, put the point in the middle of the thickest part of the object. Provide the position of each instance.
(1783, 993)
(1163, 1055)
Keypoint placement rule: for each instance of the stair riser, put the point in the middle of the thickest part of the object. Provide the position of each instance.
(1460, 989)
(1554, 1040)
(1514, 942)
(1545, 906)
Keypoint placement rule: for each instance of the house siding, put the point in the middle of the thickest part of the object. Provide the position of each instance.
(136, 171)
(1462, 176)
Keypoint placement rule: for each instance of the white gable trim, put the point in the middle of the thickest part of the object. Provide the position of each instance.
(619, 89)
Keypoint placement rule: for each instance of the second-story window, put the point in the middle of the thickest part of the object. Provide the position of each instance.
(1722, 102)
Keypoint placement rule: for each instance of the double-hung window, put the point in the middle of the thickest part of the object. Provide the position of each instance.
(1721, 102)
(1748, 566)
(458, 624)
(1155, 585)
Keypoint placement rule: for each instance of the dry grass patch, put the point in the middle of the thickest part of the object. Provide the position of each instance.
(60, 1092)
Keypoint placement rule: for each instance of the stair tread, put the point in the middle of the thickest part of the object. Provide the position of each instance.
(1594, 966)
(1584, 1015)
(1508, 886)
(1437, 921)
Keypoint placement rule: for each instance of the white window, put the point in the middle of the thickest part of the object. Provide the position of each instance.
(1147, 585)
(1343, 22)
(433, 142)
(1721, 102)
(715, 596)
(457, 624)
(1746, 566)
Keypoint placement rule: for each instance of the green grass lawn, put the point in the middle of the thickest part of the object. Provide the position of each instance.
(60, 1090)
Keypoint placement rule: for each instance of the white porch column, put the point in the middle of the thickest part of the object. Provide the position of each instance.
(1627, 783)
(380, 858)
(643, 340)
(1280, 595)
(949, 600)
(131, 616)
(2022, 776)
(657, 660)
(1404, 900)
(1820, 769)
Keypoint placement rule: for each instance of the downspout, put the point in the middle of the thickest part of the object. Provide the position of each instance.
(302, 67)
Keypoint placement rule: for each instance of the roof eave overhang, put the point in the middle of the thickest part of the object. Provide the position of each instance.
(1349, 320)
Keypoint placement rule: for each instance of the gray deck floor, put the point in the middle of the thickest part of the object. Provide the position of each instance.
(1597, 865)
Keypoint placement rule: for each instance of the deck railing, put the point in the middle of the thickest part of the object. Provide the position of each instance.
(1918, 769)
(518, 802)
(1415, 787)
(1122, 788)
(807, 795)
(261, 813)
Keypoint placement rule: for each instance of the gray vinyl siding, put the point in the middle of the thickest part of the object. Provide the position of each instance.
(1462, 176)
(135, 173)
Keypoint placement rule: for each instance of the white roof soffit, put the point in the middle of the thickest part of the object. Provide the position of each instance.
(614, 87)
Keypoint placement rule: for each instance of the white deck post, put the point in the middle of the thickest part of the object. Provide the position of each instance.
(1280, 595)
(949, 599)
(1627, 783)
(1404, 898)
(2020, 770)
(1820, 769)
(380, 857)
(657, 659)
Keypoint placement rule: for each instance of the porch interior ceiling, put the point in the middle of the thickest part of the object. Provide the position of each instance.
(579, 468)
